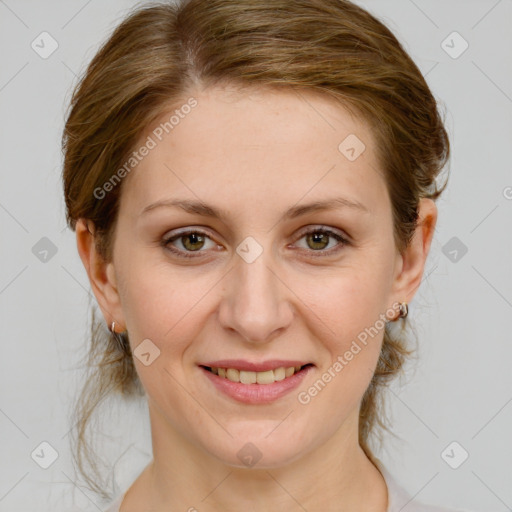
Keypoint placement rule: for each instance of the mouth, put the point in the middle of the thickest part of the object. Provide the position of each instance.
(266, 377)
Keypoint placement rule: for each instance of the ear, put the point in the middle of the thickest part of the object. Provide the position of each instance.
(411, 263)
(101, 275)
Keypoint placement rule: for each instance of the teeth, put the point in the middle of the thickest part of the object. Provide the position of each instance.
(233, 375)
(264, 377)
(279, 373)
(245, 377)
(289, 371)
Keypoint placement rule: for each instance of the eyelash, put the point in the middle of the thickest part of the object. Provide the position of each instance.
(195, 254)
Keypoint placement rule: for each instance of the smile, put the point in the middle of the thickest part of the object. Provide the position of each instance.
(249, 377)
(255, 387)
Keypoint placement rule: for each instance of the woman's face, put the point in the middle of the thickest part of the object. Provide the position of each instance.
(248, 283)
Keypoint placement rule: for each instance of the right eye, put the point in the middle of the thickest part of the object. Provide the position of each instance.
(191, 241)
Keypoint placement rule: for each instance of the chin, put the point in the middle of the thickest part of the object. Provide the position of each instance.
(250, 452)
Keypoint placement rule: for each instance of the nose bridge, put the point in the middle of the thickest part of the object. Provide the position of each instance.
(255, 303)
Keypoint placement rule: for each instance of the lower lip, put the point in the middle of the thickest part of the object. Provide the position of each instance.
(257, 393)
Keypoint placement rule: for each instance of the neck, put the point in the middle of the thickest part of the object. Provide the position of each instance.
(336, 475)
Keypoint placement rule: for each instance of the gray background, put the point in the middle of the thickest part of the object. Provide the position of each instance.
(460, 389)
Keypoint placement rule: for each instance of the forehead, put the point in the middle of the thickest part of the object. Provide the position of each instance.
(256, 147)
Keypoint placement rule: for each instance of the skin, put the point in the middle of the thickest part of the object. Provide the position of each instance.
(255, 154)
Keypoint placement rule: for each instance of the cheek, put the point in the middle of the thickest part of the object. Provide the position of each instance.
(166, 312)
(348, 308)
(160, 305)
(351, 308)
(348, 302)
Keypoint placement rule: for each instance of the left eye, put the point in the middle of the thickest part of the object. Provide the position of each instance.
(318, 239)
(193, 241)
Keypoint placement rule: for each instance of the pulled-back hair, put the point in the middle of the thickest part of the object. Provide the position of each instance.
(162, 51)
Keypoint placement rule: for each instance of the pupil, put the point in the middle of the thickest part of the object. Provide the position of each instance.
(194, 238)
(317, 239)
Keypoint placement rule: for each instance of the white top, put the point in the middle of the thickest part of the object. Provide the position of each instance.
(398, 497)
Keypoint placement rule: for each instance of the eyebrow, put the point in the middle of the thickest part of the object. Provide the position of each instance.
(200, 208)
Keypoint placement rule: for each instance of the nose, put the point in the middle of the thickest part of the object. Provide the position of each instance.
(256, 302)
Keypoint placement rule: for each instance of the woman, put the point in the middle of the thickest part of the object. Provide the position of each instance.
(252, 185)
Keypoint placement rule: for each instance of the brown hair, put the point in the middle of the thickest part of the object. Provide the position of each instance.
(161, 51)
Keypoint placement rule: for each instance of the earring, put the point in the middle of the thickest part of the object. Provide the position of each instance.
(404, 310)
(121, 342)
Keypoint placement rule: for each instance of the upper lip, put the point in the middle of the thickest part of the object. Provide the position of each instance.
(248, 366)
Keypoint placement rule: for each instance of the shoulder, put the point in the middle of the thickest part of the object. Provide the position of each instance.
(415, 506)
(400, 500)
(116, 504)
